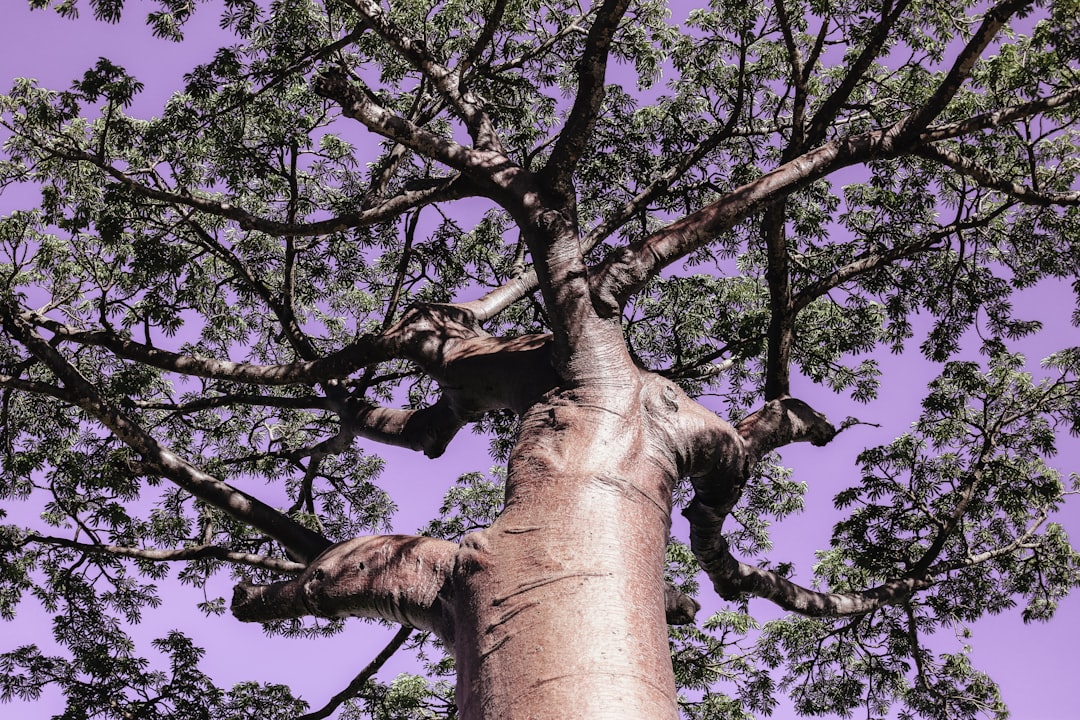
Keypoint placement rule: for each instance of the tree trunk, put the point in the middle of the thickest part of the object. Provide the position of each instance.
(559, 605)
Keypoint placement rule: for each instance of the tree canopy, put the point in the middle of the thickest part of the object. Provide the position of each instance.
(365, 223)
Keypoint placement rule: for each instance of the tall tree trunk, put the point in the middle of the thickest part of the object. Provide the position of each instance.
(559, 605)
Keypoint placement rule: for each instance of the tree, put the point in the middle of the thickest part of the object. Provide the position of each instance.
(252, 287)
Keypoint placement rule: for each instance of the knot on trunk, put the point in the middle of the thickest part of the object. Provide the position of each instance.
(679, 608)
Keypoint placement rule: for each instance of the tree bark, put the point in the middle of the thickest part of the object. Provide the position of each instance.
(559, 605)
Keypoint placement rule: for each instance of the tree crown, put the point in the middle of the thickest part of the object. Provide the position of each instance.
(362, 223)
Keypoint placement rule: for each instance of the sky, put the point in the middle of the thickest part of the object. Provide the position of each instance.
(1034, 664)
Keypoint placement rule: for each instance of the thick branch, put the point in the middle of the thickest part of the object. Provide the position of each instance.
(992, 22)
(592, 70)
(626, 270)
(631, 267)
(400, 578)
(497, 300)
(428, 429)
(782, 422)
(723, 457)
(301, 541)
(718, 488)
(679, 608)
(355, 103)
(475, 375)
(781, 333)
(363, 351)
(447, 82)
(422, 335)
(731, 578)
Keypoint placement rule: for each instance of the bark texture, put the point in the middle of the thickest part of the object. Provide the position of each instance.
(563, 597)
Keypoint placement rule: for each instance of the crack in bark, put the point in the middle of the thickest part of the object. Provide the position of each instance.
(529, 587)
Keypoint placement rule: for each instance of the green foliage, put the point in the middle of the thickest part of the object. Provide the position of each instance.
(718, 655)
(471, 504)
(976, 463)
(103, 678)
(406, 697)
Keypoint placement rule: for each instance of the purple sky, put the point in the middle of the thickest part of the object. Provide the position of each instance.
(1035, 665)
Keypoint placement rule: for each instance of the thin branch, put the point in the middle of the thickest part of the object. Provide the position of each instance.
(991, 120)
(985, 177)
(304, 498)
(308, 402)
(304, 61)
(830, 108)
(384, 171)
(487, 34)
(966, 493)
(402, 269)
(916, 648)
(387, 210)
(196, 552)
(281, 307)
(358, 682)
(532, 54)
(698, 370)
(799, 77)
(873, 261)
(1021, 542)
(285, 306)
